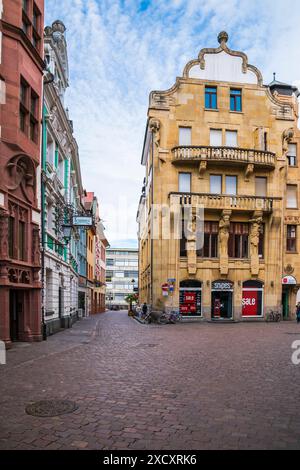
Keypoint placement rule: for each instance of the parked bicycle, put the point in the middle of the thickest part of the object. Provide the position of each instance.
(170, 317)
(273, 316)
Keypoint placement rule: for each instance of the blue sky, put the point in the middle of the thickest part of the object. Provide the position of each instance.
(120, 50)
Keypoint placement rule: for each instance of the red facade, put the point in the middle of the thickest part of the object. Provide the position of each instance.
(21, 69)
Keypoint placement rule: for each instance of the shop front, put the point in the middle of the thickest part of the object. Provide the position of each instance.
(289, 296)
(252, 299)
(221, 300)
(190, 298)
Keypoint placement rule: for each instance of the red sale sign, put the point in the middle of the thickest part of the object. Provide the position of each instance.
(249, 303)
(190, 297)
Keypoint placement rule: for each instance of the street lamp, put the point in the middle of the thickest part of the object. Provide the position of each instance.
(67, 232)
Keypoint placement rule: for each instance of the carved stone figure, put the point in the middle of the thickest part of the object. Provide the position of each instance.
(224, 235)
(154, 126)
(287, 136)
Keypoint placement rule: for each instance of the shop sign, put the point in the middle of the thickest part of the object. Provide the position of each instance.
(222, 285)
(289, 280)
(82, 221)
(250, 303)
(165, 289)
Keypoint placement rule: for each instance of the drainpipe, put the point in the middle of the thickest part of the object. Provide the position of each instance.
(152, 200)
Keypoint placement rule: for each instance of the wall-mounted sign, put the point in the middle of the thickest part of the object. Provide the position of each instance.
(82, 221)
(289, 280)
(222, 285)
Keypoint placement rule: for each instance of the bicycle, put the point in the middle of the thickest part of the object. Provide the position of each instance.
(273, 317)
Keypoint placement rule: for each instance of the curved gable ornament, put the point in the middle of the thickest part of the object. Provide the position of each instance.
(205, 60)
(20, 173)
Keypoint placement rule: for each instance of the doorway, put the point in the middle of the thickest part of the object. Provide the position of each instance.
(15, 313)
(221, 304)
(285, 303)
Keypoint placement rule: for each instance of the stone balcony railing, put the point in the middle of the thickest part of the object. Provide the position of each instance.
(224, 154)
(222, 201)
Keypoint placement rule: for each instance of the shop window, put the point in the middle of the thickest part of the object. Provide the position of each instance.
(190, 294)
(238, 240)
(11, 236)
(210, 244)
(235, 99)
(252, 299)
(291, 238)
(211, 97)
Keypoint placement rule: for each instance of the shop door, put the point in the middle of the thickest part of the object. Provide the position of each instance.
(15, 313)
(285, 303)
(60, 301)
(221, 304)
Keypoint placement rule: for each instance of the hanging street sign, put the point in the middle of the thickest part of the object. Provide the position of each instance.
(82, 221)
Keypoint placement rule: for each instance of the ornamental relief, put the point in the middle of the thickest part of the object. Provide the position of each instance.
(292, 219)
(20, 176)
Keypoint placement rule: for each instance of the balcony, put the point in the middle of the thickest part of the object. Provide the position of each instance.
(229, 155)
(223, 202)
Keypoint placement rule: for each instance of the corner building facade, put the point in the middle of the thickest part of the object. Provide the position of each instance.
(21, 72)
(221, 140)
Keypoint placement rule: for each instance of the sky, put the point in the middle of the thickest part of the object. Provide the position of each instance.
(120, 50)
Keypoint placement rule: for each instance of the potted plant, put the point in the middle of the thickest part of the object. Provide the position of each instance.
(131, 299)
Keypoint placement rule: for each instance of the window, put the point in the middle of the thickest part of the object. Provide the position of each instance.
(211, 97)
(22, 250)
(24, 92)
(185, 136)
(231, 138)
(184, 185)
(291, 196)
(109, 262)
(265, 141)
(291, 238)
(216, 137)
(11, 236)
(235, 100)
(119, 274)
(260, 186)
(252, 299)
(231, 185)
(292, 155)
(238, 240)
(210, 246)
(50, 150)
(215, 184)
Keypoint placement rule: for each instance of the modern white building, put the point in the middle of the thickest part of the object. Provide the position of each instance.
(121, 276)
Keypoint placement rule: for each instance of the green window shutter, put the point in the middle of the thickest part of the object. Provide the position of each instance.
(66, 173)
(50, 242)
(56, 156)
(65, 253)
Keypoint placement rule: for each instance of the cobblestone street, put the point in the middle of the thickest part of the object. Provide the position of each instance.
(184, 386)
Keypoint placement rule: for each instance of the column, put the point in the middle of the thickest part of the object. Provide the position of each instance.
(224, 225)
(4, 316)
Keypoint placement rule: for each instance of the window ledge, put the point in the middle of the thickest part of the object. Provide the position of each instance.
(211, 109)
(236, 112)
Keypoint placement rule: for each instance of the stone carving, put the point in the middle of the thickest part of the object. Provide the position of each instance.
(289, 269)
(154, 126)
(287, 137)
(35, 246)
(21, 174)
(249, 171)
(224, 225)
(202, 169)
(191, 243)
(255, 231)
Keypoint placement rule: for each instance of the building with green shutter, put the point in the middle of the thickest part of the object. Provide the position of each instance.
(61, 191)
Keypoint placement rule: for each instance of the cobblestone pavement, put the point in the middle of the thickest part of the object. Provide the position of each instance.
(184, 386)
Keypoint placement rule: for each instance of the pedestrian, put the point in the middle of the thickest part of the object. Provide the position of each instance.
(298, 312)
(144, 309)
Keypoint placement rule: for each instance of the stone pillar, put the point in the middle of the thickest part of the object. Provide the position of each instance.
(4, 316)
(224, 225)
(34, 316)
(206, 299)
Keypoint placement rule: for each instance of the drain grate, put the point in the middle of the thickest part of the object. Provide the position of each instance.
(143, 345)
(49, 408)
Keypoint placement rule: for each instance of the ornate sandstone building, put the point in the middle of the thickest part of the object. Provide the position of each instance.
(21, 72)
(219, 212)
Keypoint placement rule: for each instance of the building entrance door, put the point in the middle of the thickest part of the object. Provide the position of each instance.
(15, 313)
(221, 299)
(285, 303)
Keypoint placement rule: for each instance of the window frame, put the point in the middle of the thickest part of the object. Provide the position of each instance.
(234, 94)
(236, 185)
(295, 186)
(180, 173)
(236, 241)
(289, 157)
(209, 95)
(290, 240)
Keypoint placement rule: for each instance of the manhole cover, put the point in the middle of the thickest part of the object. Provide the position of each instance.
(142, 345)
(48, 408)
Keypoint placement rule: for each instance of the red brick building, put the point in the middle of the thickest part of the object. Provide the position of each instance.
(21, 70)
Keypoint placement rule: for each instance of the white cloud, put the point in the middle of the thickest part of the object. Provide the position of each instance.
(119, 52)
